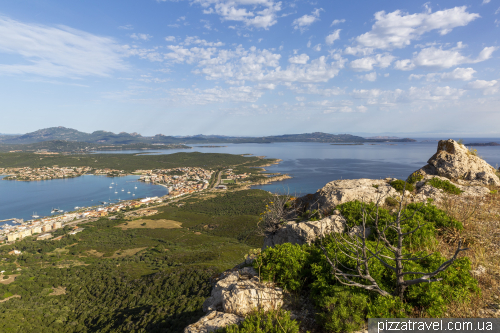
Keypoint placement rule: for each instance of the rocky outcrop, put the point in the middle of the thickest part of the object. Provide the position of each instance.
(236, 293)
(365, 190)
(425, 191)
(454, 161)
(213, 321)
(305, 232)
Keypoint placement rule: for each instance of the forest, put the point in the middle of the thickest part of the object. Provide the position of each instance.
(129, 162)
(109, 279)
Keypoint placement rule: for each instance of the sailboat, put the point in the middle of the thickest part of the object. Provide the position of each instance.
(123, 190)
(111, 186)
(133, 194)
(128, 191)
(34, 215)
(116, 191)
(135, 187)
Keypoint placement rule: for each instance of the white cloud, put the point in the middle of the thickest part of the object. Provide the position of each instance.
(197, 41)
(369, 77)
(254, 13)
(413, 94)
(398, 29)
(486, 1)
(433, 57)
(366, 64)
(335, 22)
(317, 47)
(488, 87)
(312, 89)
(215, 95)
(170, 39)
(140, 36)
(305, 21)
(334, 109)
(463, 74)
(58, 52)
(358, 51)
(126, 27)
(333, 37)
(300, 59)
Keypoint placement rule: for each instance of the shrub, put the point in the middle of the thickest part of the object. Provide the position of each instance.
(399, 185)
(286, 264)
(388, 307)
(493, 192)
(391, 202)
(344, 311)
(376, 186)
(260, 322)
(415, 177)
(445, 185)
(7, 294)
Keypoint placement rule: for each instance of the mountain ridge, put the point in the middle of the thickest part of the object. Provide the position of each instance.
(105, 137)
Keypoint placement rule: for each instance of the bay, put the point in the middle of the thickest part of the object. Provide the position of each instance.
(21, 199)
(311, 165)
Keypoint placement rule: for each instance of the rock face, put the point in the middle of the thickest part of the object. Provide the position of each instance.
(305, 232)
(454, 161)
(425, 191)
(365, 190)
(240, 292)
(237, 293)
(213, 321)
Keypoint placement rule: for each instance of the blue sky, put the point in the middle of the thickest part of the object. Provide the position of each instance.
(251, 67)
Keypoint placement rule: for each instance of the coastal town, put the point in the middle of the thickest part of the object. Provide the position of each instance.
(54, 172)
(178, 181)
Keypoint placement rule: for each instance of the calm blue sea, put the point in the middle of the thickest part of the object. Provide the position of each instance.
(311, 165)
(23, 199)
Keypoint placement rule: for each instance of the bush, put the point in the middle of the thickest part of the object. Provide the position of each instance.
(445, 185)
(345, 311)
(399, 185)
(285, 264)
(260, 322)
(415, 177)
(7, 294)
(493, 192)
(388, 307)
(391, 202)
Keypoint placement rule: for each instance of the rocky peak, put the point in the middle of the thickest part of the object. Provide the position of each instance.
(455, 162)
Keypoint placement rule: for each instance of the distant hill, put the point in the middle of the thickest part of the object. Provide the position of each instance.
(102, 137)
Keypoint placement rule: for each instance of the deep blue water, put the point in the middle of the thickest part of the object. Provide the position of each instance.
(311, 165)
(22, 199)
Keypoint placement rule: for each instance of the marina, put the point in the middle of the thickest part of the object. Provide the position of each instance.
(25, 200)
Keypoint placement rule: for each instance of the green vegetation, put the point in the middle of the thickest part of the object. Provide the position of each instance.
(128, 162)
(82, 147)
(400, 185)
(137, 280)
(415, 177)
(270, 322)
(445, 185)
(304, 270)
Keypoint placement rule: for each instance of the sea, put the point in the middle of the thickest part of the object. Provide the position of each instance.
(22, 200)
(311, 166)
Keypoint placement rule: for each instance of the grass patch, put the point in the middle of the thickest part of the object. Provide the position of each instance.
(400, 185)
(150, 224)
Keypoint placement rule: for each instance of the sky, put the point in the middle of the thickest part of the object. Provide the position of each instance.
(251, 67)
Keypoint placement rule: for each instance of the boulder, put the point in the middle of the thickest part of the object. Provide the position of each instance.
(213, 321)
(305, 232)
(239, 292)
(365, 190)
(454, 161)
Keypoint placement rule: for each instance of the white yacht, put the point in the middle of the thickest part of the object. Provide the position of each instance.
(35, 216)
